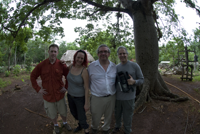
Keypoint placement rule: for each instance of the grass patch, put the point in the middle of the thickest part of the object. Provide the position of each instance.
(4, 83)
(196, 78)
(197, 90)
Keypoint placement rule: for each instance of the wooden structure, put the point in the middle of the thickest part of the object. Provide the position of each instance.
(185, 64)
(69, 55)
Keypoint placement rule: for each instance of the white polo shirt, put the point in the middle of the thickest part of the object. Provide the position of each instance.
(102, 83)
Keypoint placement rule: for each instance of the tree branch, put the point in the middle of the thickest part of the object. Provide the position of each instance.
(192, 5)
(105, 8)
(8, 29)
(28, 14)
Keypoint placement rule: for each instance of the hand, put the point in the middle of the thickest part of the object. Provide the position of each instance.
(43, 91)
(86, 107)
(62, 61)
(63, 90)
(131, 81)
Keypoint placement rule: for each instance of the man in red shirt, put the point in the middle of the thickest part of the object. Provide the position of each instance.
(53, 90)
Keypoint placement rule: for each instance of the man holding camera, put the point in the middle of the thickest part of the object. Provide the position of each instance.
(129, 75)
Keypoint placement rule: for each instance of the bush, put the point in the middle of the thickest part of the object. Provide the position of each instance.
(28, 64)
(7, 73)
(4, 83)
(2, 69)
(16, 70)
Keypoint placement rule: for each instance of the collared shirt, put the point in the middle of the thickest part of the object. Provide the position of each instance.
(102, 82)
(51, 75)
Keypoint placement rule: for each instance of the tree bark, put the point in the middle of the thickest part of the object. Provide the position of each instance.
(147, 53)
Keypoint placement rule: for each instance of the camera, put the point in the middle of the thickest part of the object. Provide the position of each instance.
(122, 81)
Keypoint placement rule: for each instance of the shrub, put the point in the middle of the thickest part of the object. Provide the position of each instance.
(7, 73)
(16, 70)
(2, 69)
(4, 83)
(28, 64)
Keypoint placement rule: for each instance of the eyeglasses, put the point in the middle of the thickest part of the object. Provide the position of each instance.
(122, 54)
(101, 52)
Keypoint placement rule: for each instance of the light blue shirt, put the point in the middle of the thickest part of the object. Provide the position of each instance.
(102, 82)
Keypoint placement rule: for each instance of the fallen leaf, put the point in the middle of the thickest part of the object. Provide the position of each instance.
(47, 125)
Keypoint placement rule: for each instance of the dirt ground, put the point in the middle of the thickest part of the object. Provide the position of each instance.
(22, 112)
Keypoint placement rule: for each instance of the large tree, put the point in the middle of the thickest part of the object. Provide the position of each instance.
(141, 12)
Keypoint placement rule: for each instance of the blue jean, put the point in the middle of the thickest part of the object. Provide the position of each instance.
(125, 109)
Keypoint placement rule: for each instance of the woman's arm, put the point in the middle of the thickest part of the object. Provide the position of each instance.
(85, 77)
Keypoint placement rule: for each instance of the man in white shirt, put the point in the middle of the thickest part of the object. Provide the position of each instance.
(102, 74)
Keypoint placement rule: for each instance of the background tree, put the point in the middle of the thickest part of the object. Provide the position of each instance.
(64, 46)
(195, 44)
(170, 51)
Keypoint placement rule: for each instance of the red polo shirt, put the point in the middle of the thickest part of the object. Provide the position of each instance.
(51, 75)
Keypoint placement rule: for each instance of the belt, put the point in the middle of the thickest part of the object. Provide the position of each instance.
(107, 95)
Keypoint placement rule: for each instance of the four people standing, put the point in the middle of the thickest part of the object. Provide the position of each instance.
(100, 77)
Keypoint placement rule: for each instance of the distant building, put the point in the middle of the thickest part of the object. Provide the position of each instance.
(69, 55)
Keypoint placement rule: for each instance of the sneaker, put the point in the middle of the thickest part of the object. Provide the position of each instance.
(115, 130)
(56, 129)
(87, 132)
(94, 131)
(67, 127)
(106, 132)
(77, 129)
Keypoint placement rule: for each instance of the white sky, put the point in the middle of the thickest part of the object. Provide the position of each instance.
(189, 22)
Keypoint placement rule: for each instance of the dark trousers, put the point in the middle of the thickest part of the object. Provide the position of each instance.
(76, 105)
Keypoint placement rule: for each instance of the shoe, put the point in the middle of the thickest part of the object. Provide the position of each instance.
(115, 130)
(86, 132)
(56, 129)
(67, 127)
(106, 132)
(94, 131)
(77, 129)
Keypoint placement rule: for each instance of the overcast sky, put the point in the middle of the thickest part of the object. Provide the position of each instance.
(189, 22)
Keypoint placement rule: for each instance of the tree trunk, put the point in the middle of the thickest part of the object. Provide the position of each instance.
(15, 62)
(9, 55)
(146, 47)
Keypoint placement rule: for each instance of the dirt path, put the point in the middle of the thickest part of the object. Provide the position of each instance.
(157, 117)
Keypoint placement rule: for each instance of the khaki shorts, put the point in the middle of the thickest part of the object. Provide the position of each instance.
(52, 108)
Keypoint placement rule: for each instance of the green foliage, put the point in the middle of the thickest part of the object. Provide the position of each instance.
(196, 78)
(66, 46)
(7, 73)
(2, 69)
(91, 44)
(4, 83)
(170, 51)
(16, 70)
(195, 44)
(28, 64)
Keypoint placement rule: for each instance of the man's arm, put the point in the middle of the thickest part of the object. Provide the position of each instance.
(34, 75)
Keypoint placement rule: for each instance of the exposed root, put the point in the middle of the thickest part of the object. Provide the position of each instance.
(160, 80)
(179, 99)
(141, 98)
(156, 90)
